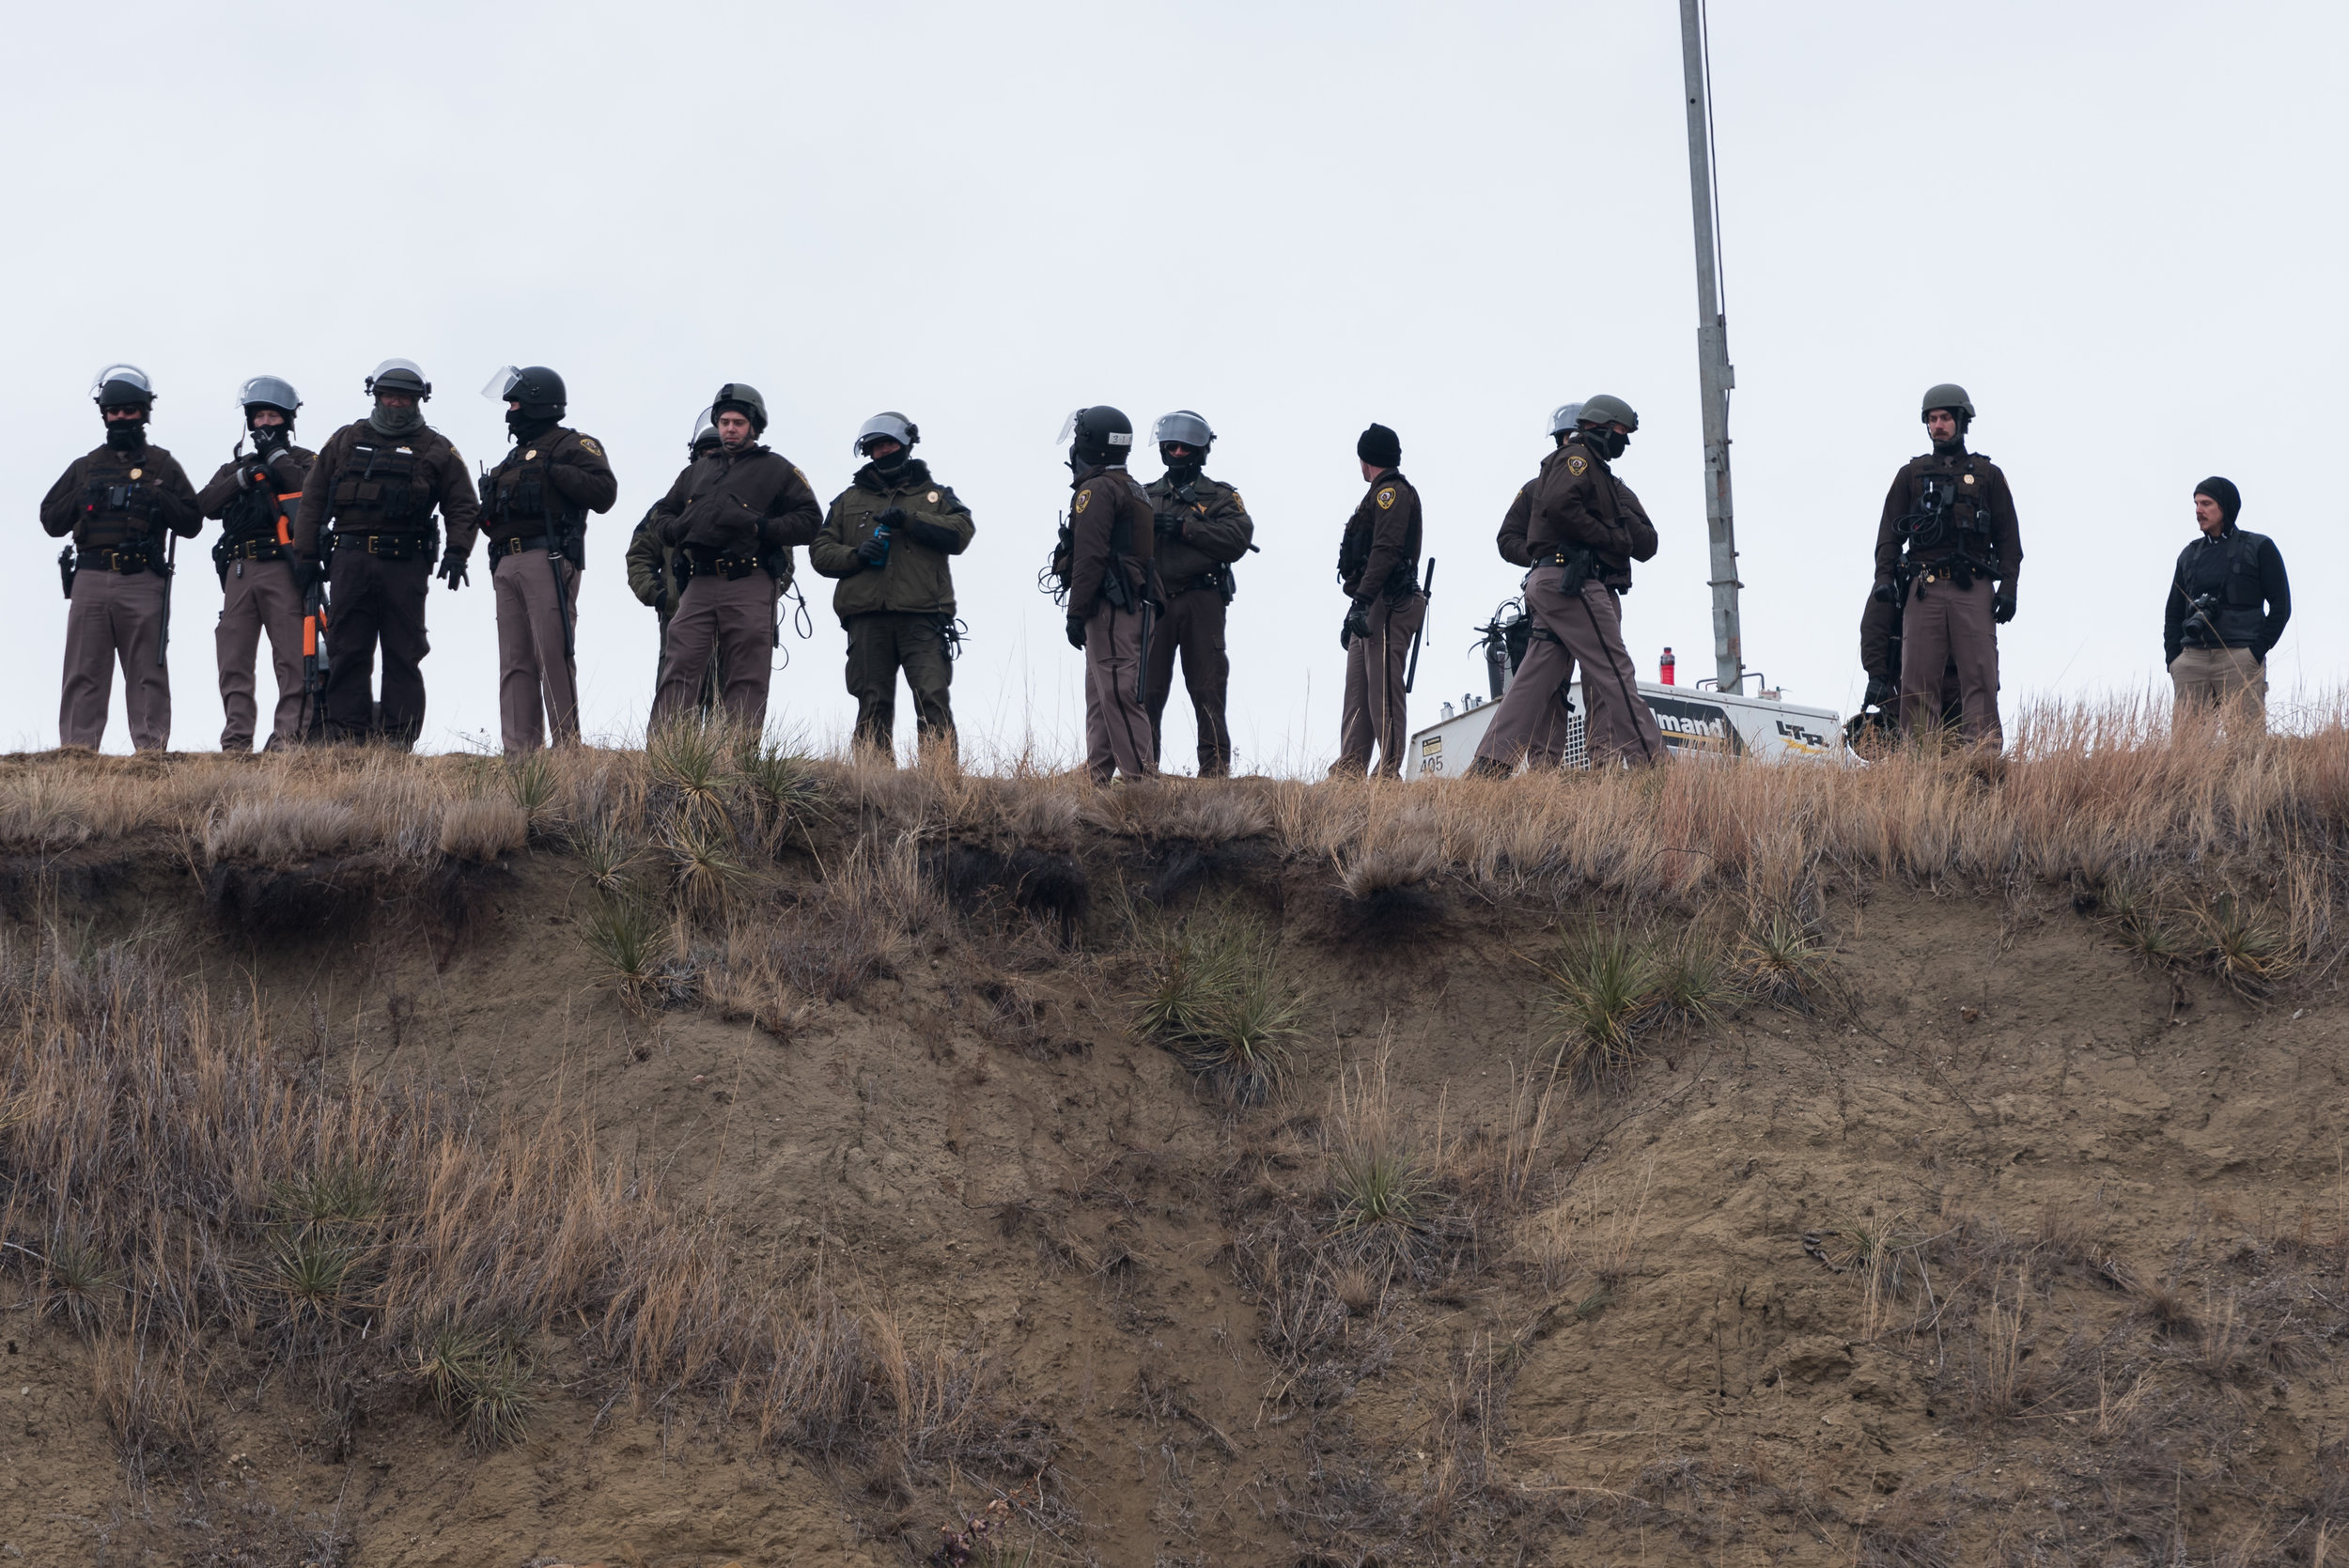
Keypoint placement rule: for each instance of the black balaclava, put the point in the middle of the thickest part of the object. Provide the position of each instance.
(893, 461)
(1605, 440)
(127, 435)
(268, 438)
(532, 420)
(1179, 474)
(2223, 491)
(396, 422)
(1955, 447)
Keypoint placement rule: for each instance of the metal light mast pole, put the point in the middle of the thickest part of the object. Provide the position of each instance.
(1714, 373)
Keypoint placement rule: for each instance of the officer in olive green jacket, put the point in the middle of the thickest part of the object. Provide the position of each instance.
(887, 538)
(653, 571)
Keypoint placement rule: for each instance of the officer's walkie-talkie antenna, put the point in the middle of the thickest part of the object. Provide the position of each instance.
(1714, 374)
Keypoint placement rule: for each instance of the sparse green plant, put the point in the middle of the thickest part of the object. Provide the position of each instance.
(530, 780)
(1602, 994)
(1691, 980)
(1380, 1189)
(625, 939)
(316, 1273)
(2247, 952)
(706, 867)
(85, 1281)
(2141, 926)
(481, 1381)
(691, 759)
(783, 781)
(1220, 1003)
(607, 851)
(343, 1193)
(1782, 959)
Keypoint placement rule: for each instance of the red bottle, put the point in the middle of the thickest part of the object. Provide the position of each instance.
(1669, 666)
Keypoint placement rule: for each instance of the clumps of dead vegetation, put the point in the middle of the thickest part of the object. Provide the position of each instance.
(208, 1211)
(1216, 998)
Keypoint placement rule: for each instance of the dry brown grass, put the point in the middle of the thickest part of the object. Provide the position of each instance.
(196, 1206)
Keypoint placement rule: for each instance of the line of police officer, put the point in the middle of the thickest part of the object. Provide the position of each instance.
(1147, 574)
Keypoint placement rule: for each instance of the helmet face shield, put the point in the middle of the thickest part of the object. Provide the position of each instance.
(887, 426)
(499, 384)
(705, 428)
(1563, 418)
(270, 391)
(130, 383)
(400, 374)
(1183, 427)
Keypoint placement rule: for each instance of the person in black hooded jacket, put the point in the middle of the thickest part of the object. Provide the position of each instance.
(2227, 603)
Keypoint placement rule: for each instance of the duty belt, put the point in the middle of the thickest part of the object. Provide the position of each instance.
(729, 567)
(136, 559)
(255, 550)
(390, 547)
(1212, 580)
(516, 546)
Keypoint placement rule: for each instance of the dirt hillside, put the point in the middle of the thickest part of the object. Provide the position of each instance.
(1894, 1206)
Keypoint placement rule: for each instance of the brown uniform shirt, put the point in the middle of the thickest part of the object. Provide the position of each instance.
(1216, 531)
(366, 482)
(1984, 502)
(107, 499)
(1379, 552)
(1578, 503)
(1109, 518)
(1514, 524)
(740, 504)
(248, 512)
(548, 487)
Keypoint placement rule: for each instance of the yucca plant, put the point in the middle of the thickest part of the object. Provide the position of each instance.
(625, 941)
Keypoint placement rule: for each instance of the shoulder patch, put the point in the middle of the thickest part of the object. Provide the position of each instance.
(1577, 465)
(800, 471)
(1237, 501)
(1386, 498)
(932, 498)
(1084, 498)
(588, 445)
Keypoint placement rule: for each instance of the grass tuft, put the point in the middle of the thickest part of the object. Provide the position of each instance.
(1220, 1003)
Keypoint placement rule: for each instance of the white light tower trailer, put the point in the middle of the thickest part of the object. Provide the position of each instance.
(1723, 722)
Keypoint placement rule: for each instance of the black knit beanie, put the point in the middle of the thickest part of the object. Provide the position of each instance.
(2223, 491)
(1379, 445)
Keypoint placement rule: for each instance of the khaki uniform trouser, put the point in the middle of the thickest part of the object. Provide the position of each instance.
(115, 616)
(1945, 625)
(1117, 722)
(881, 644)
(1585, 629)
(1375, 712)
(537, 682)
(2233, 679)
(259, 597)
(1193, 626)
(733, 620)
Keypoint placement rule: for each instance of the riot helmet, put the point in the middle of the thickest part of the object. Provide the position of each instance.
(889, 424)
(1098, 437)
(1950, 395)
(400, 374)
(1561, 420)
(122, 386)
(704, 432)
(537, 389)
(743, 398)
(269, 392)
(1183, 429)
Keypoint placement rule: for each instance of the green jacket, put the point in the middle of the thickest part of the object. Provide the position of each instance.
(651, 569)
(915, 579)
(1216, 531)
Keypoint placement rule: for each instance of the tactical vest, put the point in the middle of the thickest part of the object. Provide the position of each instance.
(118, 500)
(381, 487)
(1964, 528)
(2238, 620)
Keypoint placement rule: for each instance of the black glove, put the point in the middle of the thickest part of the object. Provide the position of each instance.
(1883, 593)
(1169, 525)
(2002, 603)
(931, 536)
(244, 476)
(1076, 633)
(280, 461)
(1880, 692)
(305, 571)
(451, 569)
(873, 552)
(890, 517)
(1357, 624)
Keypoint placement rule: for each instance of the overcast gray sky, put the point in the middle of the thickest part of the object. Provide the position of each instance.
(2120, 225)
